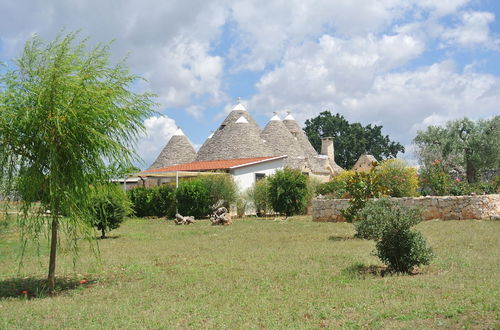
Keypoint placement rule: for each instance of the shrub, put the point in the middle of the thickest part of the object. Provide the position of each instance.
(220, 187)
(140, 197)
(372, 219)
(161, 201)
(259, 195)
(110, 205)
(396, 178)
(401, 250)
(390, 224)
(434, 180)
(360, 187)
(337, 186)
(193, 198)
(288, 191)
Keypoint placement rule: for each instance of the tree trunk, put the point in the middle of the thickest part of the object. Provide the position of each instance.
(103, 233)
(53, 252)
(470, 169)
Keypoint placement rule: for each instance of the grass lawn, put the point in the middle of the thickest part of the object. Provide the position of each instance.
(255, 274)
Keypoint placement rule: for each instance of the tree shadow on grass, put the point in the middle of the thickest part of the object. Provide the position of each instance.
(33, 288)
(108, 237)
(341, 238)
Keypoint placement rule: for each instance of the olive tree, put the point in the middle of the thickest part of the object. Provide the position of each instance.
(66, 112)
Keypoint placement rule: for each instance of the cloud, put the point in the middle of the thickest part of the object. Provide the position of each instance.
(472, 31)
(159, 130)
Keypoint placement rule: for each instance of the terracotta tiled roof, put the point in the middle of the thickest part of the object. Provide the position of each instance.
(212, 165)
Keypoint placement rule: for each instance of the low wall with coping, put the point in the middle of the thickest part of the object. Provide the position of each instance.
(433, 207)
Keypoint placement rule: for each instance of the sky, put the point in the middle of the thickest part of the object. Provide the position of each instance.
(404, 65)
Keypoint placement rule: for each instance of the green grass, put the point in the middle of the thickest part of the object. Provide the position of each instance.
(255, 274)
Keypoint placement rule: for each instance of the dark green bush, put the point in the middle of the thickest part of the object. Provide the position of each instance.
(140, 197)
(162, 201)
(110, 205)
(389, 223)
(402, 249)
(193, 198)
(372, 219)
(288, 191)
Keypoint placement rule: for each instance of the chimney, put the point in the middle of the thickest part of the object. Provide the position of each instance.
(327, 148)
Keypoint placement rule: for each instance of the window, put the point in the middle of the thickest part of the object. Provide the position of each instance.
(259, 176)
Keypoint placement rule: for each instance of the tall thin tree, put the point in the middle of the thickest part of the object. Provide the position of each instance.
(65, 113)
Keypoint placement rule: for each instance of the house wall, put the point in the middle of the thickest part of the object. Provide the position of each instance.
(245, 176)
(433, 207)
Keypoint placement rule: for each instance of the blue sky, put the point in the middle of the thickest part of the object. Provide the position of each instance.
(401, 64)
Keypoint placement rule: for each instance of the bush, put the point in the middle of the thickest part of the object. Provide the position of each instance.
(337, 186)
(396, 178)
(140, 197)
(372, 219)
(259, 195)
(401, 250)
(361, 187)
(220, 187)
(434, 180)
(288, 191)
(390, 224)
(193, 198)
(110, 205)
(161, 201)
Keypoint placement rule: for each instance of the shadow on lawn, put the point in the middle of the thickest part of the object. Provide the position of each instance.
(341, 238)
(32, 288)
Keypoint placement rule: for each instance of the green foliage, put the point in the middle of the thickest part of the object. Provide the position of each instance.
(140, 199)
(288, 191)
(110, 205)
(377, 214)
(259, 195)
(402, 250)
(434, 180)
(65, 114)
(337, 186)
(351, 139)
(220, 187)
(193, 198)
(396, 178)
(361, 187)
(462, 144)
(157, 201)
(389, 223)
(162, 201)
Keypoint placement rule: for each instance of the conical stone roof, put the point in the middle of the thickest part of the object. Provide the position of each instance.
(238, 111)
(279, 139)
(237, 139)
(300, 135)
(177, 151)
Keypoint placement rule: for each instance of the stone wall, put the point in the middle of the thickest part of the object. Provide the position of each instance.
(433, 207)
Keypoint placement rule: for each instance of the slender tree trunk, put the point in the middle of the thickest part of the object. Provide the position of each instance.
(103, 233)
(470, 169)
(53, 252)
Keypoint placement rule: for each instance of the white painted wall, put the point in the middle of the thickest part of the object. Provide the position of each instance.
(245, 176)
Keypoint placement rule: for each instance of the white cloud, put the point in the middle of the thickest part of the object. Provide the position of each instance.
(158, 131)
(474, 30)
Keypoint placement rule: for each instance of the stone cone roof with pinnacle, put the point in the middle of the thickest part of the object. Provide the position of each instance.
(237, 139)
(281, 142)
(210, 149)
(300, 135)
(177, 151)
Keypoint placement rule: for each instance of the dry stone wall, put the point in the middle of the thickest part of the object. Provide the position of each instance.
(433, 207)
